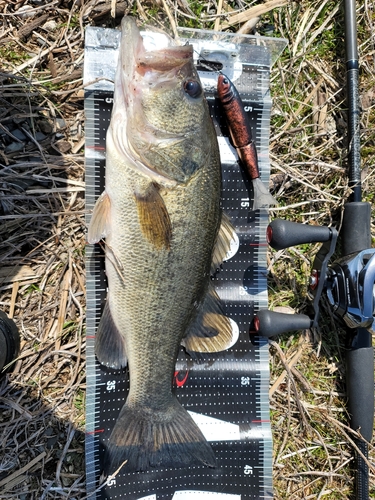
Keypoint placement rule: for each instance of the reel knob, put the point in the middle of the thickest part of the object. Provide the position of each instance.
(283, 234)
(269, 323)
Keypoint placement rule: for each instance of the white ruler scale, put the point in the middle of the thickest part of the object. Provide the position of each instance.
(227, 395)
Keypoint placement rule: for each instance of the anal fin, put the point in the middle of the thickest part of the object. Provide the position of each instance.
(100, 221)
(211, 331)
(154, 218)
(109, 343)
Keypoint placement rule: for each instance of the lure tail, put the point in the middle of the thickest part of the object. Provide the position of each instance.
(262, 197)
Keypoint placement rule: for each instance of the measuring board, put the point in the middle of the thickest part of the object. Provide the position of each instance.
(227, 395)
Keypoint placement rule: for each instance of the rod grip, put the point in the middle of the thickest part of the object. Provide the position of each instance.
(356, 227)
(270, 323)
(360, 389)
(283, 234)
(362, 485)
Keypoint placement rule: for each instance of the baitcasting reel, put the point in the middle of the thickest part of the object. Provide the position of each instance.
(349, 286)
(348, 283)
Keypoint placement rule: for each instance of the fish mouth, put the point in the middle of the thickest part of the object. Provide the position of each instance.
(137, 69)
(170, 56)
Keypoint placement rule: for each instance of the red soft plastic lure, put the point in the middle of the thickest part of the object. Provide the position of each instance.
(242, 139)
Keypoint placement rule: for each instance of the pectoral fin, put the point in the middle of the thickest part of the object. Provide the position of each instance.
(211, 331)
(154, 218)
(225, 238)
(100, 221)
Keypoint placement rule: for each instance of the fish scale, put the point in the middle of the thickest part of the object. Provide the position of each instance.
(231, 390)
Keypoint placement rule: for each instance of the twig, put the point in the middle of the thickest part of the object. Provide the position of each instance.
(21, 471)
(69, 439)
(36, 58)
(13, 299)
(286, 366)
(171, 19)
(252, 12)
(106, 482)
(218, 13)
(282, 376)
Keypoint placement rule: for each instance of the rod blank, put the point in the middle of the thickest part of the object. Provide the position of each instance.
(352, 98)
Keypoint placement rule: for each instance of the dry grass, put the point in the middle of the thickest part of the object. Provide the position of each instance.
(42, 232)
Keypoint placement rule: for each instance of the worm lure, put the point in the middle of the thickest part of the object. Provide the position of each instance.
(242, 139)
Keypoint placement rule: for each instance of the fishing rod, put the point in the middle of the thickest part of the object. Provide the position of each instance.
(348, 283)
(356, 238)
(352, 68)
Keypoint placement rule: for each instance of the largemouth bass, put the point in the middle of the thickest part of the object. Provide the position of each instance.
(160, 216)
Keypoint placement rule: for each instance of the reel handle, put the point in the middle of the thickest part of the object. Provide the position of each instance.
(283, 234)
(269, 323)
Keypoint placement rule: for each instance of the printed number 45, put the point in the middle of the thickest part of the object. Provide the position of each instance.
(248, 470)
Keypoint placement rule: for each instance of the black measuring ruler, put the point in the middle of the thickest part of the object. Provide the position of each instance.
(226, 395)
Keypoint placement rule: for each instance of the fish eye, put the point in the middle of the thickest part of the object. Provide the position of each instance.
(193, 88)
(223, 80)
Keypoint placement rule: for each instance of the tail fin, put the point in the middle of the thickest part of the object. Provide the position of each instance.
(145, 439)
